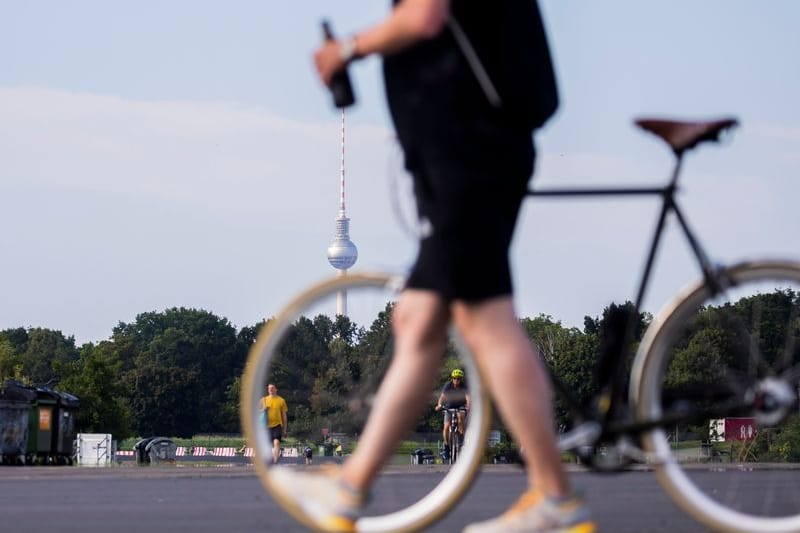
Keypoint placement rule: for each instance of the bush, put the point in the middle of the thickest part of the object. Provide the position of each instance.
(503, 453)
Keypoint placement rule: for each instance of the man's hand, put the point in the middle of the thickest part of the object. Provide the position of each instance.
(328, 60)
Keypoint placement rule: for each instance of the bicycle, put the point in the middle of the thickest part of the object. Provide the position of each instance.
(716, 324)
(454, 439)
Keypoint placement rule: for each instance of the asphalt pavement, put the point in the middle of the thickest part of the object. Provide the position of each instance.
(230, 499)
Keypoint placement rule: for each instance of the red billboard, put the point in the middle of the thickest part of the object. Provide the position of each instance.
(733, 429)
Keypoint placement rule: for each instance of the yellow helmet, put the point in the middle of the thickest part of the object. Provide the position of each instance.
(457, 373)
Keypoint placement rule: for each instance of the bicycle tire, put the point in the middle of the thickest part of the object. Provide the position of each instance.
(265, 354)
(454, 444)
(771, 365)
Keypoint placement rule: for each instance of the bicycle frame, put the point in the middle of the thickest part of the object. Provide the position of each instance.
(612, 392)
(453, 411)
(454, 428)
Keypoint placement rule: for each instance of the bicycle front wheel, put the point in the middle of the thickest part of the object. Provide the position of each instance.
(455, 448)
(724, 367)
(327, 353)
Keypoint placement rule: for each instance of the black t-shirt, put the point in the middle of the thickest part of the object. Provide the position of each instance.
(432, 82)
(454, 397)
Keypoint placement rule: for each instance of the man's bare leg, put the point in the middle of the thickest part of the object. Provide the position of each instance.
(519, 384)
(420, 320)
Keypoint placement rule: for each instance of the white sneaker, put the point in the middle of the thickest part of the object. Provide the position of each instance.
(535, 513)
(320, 498)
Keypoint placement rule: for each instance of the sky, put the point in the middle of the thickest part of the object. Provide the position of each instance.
(182, 154)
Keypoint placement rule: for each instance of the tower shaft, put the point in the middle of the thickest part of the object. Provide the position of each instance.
(342, 253)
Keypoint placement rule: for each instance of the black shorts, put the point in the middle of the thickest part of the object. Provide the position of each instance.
(469, 183)
(276, 433)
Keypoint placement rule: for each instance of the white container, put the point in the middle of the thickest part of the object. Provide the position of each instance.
(95, 449)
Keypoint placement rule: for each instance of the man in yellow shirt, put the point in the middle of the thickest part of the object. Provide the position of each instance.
(275, 409)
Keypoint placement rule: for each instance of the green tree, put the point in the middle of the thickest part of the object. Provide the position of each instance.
(304, 355)
(772, 319)
(198, 349)
(229, 420)
(46, 353)
(17, 337)
(94, 379)
(10, 363)
(570, 354)
(785, 443)
(165, 400)
(372, 351)
(229, 410)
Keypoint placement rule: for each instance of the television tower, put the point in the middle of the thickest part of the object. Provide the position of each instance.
(342, 253)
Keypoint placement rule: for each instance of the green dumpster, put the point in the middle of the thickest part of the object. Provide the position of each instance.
(64, 430)
(15, 404)
(42, 426)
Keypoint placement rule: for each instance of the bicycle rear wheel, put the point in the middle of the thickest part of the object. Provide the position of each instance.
(734, 355)
(328, 368)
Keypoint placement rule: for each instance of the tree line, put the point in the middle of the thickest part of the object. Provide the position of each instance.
(177, 372)
(166, 373)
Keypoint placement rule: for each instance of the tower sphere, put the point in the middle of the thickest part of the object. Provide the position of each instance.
(342, 253)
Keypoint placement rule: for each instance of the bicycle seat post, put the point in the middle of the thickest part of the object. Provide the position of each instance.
(681, 136)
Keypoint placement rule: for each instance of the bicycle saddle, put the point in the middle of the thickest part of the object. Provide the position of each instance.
(685, 135)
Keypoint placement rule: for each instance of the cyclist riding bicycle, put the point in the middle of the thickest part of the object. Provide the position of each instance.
(454, 395)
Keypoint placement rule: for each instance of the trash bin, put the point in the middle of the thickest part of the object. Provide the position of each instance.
(154, 450)
(328, 449)
(63, 448)
(507, 456)
(422, 456)
(42, 425)
(15, 406)
(161, 450)
(140, 451)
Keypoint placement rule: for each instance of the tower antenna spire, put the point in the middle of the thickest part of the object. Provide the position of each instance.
(341, 173)
(342, 253)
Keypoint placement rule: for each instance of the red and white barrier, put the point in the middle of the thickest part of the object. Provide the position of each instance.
(199, 451)
(289, 452)
(126, 452)
(224, 452)
(285, 452)
(180, 451)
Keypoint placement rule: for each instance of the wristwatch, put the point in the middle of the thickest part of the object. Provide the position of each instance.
(347, 49)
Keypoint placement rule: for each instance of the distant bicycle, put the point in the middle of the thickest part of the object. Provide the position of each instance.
(454, 438)
(726, 346)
